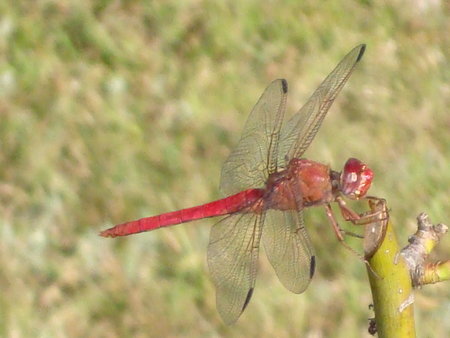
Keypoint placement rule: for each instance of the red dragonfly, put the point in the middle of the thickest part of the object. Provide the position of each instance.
(268, 185)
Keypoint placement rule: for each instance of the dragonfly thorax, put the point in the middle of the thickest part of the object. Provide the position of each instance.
(303, 183)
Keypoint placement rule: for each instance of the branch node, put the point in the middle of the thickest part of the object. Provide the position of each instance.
(420, 246)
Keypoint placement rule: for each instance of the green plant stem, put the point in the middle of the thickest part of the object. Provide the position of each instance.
(391, 286)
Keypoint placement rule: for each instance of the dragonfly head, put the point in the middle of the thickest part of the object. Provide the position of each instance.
(356, 179)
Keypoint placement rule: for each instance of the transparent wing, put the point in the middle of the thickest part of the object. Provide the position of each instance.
(255, 156)
(233, 262)
(298, 132)
(289, 249)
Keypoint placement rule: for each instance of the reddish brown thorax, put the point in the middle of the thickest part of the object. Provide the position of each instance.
(307, 183)
(303, 183)
(313, 179)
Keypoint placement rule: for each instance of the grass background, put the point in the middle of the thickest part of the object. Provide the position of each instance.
(114, 110)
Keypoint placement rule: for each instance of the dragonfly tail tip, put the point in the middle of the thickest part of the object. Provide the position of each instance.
(105, 233)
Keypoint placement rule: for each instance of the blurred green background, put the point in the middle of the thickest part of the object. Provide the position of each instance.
(115, 110)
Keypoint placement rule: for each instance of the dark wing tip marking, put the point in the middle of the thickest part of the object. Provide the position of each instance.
(284, 86)
(312, 267)
(247, 299)
(361, 52)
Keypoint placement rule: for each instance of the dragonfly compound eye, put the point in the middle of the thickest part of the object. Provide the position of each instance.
(356, 179)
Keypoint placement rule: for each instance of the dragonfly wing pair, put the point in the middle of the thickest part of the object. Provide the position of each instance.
(263, 149)
(233, 256)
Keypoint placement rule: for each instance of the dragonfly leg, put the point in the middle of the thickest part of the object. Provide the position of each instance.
(352, 234)
(358, 219)
(336, 227)
(365, 218)
(338, 231)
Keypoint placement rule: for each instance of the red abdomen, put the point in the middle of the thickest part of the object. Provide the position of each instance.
(228, 205)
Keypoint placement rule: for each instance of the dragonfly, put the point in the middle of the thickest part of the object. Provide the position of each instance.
(268, 185)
